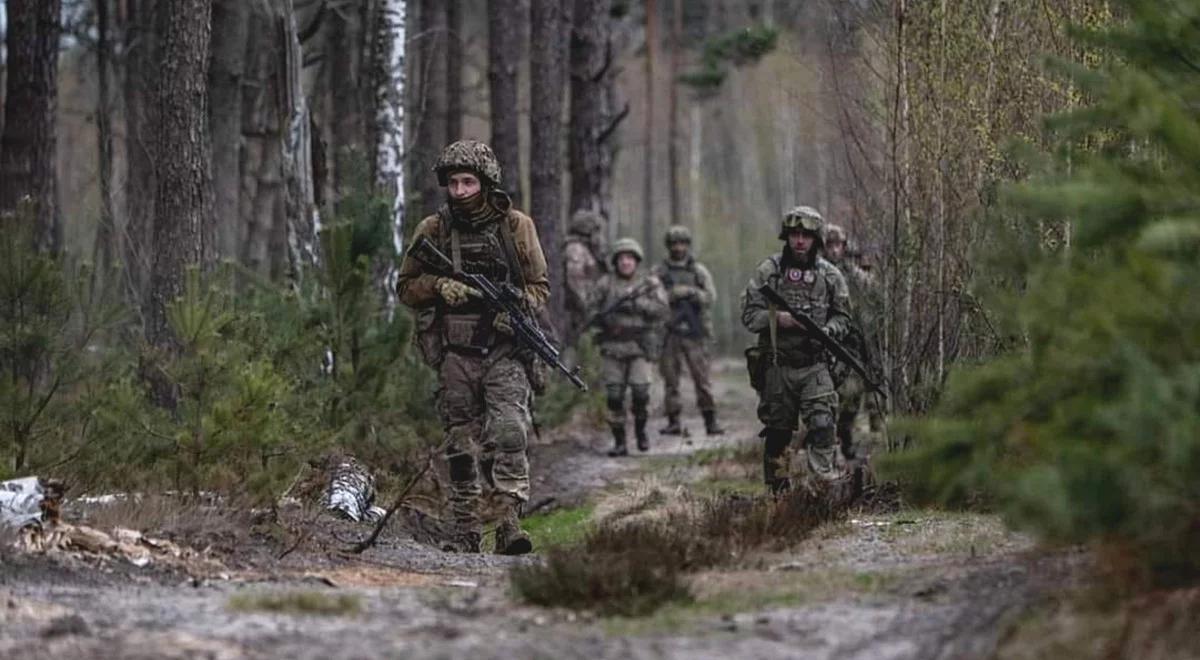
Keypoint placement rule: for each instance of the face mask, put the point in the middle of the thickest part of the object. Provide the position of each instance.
(471, 210)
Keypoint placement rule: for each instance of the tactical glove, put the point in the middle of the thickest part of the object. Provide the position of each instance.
(503, 324)
(455, 293)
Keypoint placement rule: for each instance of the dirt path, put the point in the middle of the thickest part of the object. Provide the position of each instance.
(912, 584)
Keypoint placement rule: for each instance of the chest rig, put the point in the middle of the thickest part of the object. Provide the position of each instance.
(625, 322)
(685, 318)
(486, 249)
(807, 290)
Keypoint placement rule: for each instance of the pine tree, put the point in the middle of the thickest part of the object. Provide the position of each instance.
(1091, 432)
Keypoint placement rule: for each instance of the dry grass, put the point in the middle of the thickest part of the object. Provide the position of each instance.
(199, 525)
(631, 566)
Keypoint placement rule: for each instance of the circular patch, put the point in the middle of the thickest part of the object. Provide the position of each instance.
(794, 274)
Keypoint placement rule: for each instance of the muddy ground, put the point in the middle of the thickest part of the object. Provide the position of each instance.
(898, 584)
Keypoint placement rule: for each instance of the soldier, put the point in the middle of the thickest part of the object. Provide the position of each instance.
(789, 368)
(583, 258)
(630, 306)
(850, 387)
(691, 293)
(483, 395)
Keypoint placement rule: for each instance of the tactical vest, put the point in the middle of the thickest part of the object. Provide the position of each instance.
(626, 323)
(486, 250)
(807, 290)
(687, 316)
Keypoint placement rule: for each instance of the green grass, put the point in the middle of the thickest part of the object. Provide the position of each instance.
(559, 527)
(736, 486)
(297, 602)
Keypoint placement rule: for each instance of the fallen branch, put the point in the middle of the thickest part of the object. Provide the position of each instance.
(370, 540)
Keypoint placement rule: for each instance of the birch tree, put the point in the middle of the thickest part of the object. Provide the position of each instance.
(389, 121)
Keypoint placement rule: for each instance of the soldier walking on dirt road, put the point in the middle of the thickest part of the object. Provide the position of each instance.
(629, 308)
(789, 368)
(691, 293)
(583, 264)
(484, 392)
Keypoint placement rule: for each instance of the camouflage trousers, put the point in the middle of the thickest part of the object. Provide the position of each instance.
(620, 373)
(789, 395)
(852, 399)
(484, 407)
(678, 352)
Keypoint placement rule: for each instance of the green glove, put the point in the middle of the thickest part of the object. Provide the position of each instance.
(455, 293)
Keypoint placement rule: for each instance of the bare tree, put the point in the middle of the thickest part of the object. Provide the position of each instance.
(183, 227)
(547, 68)
(673, 109)
(231, 30)
(344, 49)
(105, 248)
(27, 147)
(140, 62)
(593, 117)
(432, 99)
(454, 69)
(390, 86)
(505, 21)
(648, 233)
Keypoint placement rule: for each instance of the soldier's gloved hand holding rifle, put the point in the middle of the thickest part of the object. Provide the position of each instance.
(681, 291)
(789, 317)
(508, 303)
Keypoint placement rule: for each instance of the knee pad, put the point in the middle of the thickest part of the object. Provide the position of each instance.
(462, 468)
(641, 398)
(616, 397)
(821, 420)
(819, 436)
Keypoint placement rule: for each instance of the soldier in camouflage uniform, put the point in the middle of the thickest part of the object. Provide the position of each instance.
(630, 308)
(788, 367)
(484, 394)
(691, 293)
(850, 386)
(584, 263)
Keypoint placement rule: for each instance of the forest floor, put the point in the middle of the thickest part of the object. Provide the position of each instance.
(898, 584)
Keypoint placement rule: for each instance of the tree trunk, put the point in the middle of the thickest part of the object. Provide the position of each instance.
(303, 215)
(504, 57)
(266, 112)
(593, 121)
(141, 39)
(183, 227)
(105, 248)
(648, 233)
(673, 110)
(389, 127)
(431, 117)
(546, 63)
(29, 141)
(344, 50)
(231, 29)
(454, 68)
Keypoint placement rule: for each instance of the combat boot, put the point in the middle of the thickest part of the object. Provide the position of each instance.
(643, 440)
(710, 423)
(672, 427)
(510, 538)
(619, 448)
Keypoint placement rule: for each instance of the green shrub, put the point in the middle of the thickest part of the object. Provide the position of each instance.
(1091, 431)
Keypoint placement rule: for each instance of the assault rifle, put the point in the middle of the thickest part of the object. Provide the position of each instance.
(829, 343)
(607, 311)
(501, 298)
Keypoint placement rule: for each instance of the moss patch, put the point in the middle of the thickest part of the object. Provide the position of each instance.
(558, 527)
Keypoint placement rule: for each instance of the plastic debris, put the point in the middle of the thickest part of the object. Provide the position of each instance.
(29, 501)
(351, 491)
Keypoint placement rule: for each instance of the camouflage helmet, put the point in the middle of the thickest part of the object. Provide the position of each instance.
(801, 217)
(470, 155)
(623, 245)
(586, 222)
(678, 234)
(834, 234)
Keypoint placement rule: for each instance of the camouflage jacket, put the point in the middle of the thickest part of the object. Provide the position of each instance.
(820, 290)
(635, 325)
(583, 270)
